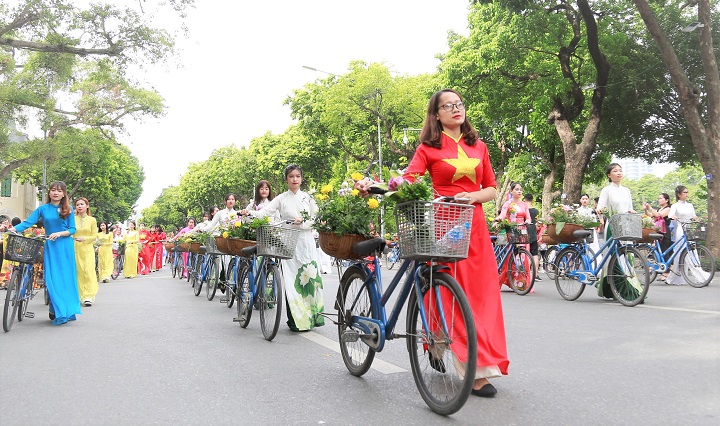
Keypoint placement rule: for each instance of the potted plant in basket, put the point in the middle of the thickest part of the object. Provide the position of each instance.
(344, 218)
(648, 227)
(239, 233)
(563, 220)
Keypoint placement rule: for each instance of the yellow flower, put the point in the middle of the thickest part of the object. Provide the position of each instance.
(238, 224)
(321, 197)
(356, 176)
(355, 192)
(225, 234)
(373, 203)
(326, 189)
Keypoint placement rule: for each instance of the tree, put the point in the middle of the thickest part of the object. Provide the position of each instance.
(94, 167)
(52, 50)
(700, 108)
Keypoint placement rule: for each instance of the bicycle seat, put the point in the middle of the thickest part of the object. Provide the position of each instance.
(655, 236)
(248, 251)
(582, 233)
(365, 248)
(493, 238)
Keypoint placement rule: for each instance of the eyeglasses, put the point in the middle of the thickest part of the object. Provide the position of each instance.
(449, 107)
(685, 192)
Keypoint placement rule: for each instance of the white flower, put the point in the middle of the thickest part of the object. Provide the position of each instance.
(308, 273)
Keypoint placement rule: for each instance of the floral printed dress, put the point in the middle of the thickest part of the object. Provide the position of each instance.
(301, 274)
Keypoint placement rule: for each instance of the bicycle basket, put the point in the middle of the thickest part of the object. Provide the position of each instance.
(518, 235)
(277, 241)
(22, 249)
(501, 239)
(626, 226)
(211, 246)
(696, 231)
(434, 230)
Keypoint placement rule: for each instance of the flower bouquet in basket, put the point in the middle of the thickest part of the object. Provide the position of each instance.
(240, 233)
(344, 218)
(648, 227)
(563, 220)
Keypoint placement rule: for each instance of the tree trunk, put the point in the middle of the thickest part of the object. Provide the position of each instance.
(548, 195)
(705, 140)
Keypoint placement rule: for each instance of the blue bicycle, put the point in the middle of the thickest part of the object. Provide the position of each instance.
(439, 328)
(260, 279)
(20, 290)
(628, 273)
(696, 262)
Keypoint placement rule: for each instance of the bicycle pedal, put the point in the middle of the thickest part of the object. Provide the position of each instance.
(236, 320)
(350, 336)
(29, 315)
(224, 300)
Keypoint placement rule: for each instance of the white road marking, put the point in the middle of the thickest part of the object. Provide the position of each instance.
(666, 308)
(378, 365)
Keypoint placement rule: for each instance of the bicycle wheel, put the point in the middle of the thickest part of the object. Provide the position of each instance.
(353, 299)
(11, 300)
(212, 278)
(392, 258)
(568, 259)
(521, 271)
(647, 251)
(270, 298)
(194, 266)
(244, 296)
(628, 276)
(173, 267)
(549, 263)
(231, 283)
(116, 268)
(697, 265)
(197, 282)
(443, 359)
(24, 296)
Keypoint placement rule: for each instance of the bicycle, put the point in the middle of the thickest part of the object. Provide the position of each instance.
(576, 268)
(438, 329)
(696, 262)
(262, 280)
(521, 268)
(393, 255)
(20, 289)
(118, 262)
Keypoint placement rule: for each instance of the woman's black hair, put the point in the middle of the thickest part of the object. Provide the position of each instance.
(679, 190)
(290, 167)
(667, 197)
(609, 169)
(107, 227)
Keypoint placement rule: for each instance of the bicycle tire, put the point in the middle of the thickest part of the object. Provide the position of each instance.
(568, 259)
(353, 299)
(196, 284)
(518, 277)
(649, 253)
(628, 269)
(244, 302)
(116, 268)
(690, 260)
(173, 266)
(442, 384)
(212, 278)
(270, 298)
(190, 267)
(24, 299)
(231, 282)
(10, 308)
(548, 261)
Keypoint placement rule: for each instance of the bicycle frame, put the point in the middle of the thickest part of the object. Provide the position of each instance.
(661, 256)
(380, 322)
(256, 278)
(589, 274)
(503, 254)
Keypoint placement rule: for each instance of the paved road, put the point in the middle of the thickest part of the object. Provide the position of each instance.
(150, 352)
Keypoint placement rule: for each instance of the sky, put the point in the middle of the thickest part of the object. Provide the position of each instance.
(241, 60)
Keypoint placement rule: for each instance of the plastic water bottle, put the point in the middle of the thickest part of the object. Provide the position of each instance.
(454, 236)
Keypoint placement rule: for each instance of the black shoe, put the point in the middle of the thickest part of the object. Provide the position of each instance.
(486, 391)
(436, 364)
(537, 278)
(51, 315)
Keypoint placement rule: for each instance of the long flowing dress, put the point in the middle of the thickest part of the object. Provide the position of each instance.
(159, 238)
(145, 255)
(616, 199)
(105, 255)
(458, 167)
(59, 262)
(301, 274)
(85, 257)
(516, 212)
(132, 239)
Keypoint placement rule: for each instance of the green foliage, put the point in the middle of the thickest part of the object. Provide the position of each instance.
(244, 228)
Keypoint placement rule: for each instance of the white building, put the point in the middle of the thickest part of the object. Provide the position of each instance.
(17, 199)
(634, 168)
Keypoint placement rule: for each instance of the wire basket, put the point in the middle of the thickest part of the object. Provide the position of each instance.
(501, 239)
(211, 246)
(521, 234)
(22, 249)
(434, 230)
(277, 241)
(626, 226)
(696, 231)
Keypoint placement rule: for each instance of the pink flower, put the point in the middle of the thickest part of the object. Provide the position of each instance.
(395, 183)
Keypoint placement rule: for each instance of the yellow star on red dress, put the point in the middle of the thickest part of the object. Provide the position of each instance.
(464, 165)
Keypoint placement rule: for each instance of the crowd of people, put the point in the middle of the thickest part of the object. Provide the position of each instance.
(458, 163)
